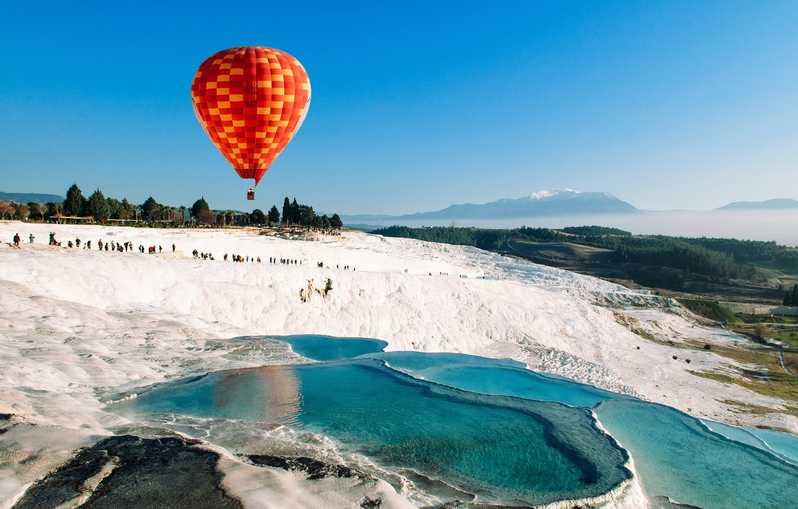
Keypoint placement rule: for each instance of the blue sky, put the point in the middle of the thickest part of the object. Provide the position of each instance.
(675, 104)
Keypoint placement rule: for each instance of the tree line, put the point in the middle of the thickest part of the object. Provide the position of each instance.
(102, 209)
(303, 215)
(595, 231)
(678, 254)
(483, 238)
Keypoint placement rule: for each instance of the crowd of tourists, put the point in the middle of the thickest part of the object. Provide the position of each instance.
(127, 246)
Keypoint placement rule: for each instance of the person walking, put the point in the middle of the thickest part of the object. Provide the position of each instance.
(16, 239)
(31, 238)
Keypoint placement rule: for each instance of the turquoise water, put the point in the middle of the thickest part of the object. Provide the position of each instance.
(499, 449)
(328, 348)
(493, 376)
(782, 443)
(738, 434)
(675, 455)
(777, 442)
(493, 428)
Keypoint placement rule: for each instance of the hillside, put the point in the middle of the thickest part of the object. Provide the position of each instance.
(774, 204)
(30, 197)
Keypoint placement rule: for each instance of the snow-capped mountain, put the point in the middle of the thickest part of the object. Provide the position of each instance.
(542, 203)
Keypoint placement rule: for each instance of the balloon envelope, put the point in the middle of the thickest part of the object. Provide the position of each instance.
(251, 100)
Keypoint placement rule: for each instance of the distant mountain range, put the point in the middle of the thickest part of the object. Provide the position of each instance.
(31, 197)
(559, 203)
(775, 204)
(544, 203)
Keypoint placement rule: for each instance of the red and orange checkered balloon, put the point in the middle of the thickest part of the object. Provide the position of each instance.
(251, 101)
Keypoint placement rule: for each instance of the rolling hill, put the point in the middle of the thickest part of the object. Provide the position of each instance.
(774, 204)
(30, 197)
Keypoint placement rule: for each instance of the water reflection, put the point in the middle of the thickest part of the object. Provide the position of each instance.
(269, 393)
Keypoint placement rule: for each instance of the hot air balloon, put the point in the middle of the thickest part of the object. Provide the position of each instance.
(251, 101)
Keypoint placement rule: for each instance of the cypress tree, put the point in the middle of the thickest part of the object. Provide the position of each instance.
(286, 210)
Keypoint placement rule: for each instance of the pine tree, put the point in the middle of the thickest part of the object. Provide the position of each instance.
(114, 208)
(35, 210)
(307, 216)
(200, 211)
(257, 217)
(126, 210)
(74, 203)
(150, 209)
(274, 215)
(97, 206)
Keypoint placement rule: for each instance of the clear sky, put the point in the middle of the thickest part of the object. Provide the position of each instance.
(673, 104)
